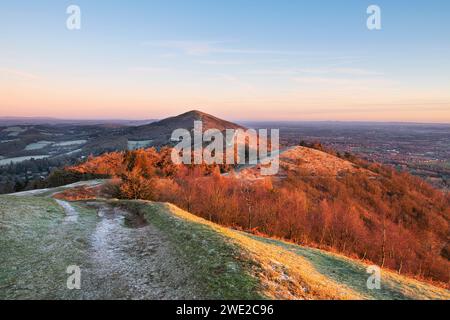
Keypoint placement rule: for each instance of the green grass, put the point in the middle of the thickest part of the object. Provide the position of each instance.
(36, 247)
(447, 165)
(284, 270)
(352, 273)
(218, 262)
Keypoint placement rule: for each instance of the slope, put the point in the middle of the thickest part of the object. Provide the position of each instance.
(161, 131)
(147, 250)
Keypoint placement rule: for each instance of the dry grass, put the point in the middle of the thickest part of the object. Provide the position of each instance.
(288, 271)
(309, 162)
(78, 193)
(283, 274)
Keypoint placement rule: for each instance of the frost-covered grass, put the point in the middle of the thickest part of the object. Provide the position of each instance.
(40, 238)
(353, 274)
(7, 161)
(73, 152)
(283, 270)
(220, 268)
(69, 143)
(37, 246)
(14, 131)
(134, 145)
(51, 191)
(38, 145)
(38, 242)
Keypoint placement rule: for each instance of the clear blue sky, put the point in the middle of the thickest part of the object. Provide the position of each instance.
(241, 59)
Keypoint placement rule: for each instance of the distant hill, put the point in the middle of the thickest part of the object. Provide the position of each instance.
(30, 121)
(161, 131)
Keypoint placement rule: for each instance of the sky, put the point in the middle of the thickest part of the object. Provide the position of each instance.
(236, 59)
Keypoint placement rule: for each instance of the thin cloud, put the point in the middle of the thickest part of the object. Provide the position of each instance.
(19, 74)
(346, 71)
(326, 81)
(346, 82)
(317, 71)
(149, 69)
(199, 48)
(194, 48)
(221, 63)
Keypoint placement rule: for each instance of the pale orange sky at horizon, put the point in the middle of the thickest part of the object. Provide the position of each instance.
(36, 97)
(285, 60)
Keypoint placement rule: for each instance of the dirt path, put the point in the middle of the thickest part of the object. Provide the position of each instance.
(71, 212)
(120, 257)
(52, 191)
(134, 263)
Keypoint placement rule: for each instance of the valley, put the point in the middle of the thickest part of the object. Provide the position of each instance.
(322, 202)
(30, 149)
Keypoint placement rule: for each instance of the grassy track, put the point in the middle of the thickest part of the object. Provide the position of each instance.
(177, 255)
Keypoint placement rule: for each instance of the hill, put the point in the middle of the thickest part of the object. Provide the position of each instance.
(309, 162)
(158, 251)
(342, 204)
(30, 148)
(160, 132)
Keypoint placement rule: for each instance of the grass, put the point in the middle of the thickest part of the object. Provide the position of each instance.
(221, 269)
(69, 143)
(352, 273)
(36, 247)
(282, 274)
(232, 265)
(282, 270)
(7, 161)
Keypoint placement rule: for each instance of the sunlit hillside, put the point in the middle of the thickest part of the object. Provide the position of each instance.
(345, 205)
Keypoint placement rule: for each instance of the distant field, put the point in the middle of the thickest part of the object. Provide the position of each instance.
(73, 152)
(38, 145)
(134, 145)
(4, 162)
(70, 143)
(14, 129)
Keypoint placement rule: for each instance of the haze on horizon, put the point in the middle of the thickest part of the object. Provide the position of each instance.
(238, 60)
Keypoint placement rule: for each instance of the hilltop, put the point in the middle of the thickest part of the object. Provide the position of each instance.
(30, 148)
(309, 162)
(161, 131)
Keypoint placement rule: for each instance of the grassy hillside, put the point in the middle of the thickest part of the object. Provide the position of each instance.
(38, 241)
(318, 199)
(284, 271)
(37, 245)
(174, 254)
